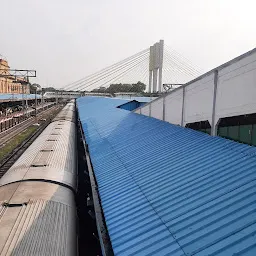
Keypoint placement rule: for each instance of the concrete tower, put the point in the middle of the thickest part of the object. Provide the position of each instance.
(160, 69)
(156, 66)
(151, 67)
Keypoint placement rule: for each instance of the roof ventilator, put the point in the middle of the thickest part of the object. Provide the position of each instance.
(6, 204)
(38, 165)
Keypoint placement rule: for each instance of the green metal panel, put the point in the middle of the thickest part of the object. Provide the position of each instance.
(254, 135)
(223, 132)
(233, 132)
(202, 130)
(208, 130)
(246, 134)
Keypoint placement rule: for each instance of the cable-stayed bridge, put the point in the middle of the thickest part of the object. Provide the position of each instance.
(159, 67)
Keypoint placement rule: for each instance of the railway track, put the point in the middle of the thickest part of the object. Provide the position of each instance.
(9, 122)
(12, 132)
(10, 159)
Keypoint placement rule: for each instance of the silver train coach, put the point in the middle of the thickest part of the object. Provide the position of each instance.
(37, 194)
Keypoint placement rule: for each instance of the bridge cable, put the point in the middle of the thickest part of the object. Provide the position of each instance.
(181, 64)
(130, 68)
(180, 69)
(105, 75)
(107, 68)
(186, 60)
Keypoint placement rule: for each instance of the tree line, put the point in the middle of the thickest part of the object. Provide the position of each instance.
(138, 87)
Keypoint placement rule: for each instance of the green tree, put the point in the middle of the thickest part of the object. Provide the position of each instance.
(138, 87)
(101, 89)
(49, 89)
(35, 88)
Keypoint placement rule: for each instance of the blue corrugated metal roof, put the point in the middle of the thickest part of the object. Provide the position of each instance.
(139, 99)
(131, 105)
(168, 190)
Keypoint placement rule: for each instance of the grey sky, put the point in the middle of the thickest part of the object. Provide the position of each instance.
(67, 40)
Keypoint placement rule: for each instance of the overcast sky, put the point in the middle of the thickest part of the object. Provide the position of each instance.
(66, 40)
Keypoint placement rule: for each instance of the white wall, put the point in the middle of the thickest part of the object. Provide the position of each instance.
(236, 93)
(198, 100)
(173, 107)
(145, 110)
(157, 109)
(235, 83)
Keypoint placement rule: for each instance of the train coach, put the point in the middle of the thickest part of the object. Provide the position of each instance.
(37, 194)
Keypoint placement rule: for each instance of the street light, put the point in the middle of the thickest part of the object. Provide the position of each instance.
(22, 82)
(38, 88)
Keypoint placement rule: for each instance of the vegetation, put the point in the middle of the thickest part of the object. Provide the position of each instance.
(139, 87)
(34, 88)
(16, 141)
(49, 89)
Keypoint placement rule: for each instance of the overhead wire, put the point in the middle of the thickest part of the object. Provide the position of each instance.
(178, 76)
(110, 72)
(178, 62)
(100, 78)
(180, 69)
(137, 74)
(145, 75)
(124, 73)
(168, 73)
(169, 77)
(136, 80)
(176, 69)
(179, 55)
(107, 68)
(118, 76)
(132, 77)
(183, 59)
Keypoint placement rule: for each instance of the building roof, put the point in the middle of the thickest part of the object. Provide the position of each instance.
(4, 62)
(139, 99)
(131, 105)
(15, 96)
(169, 190)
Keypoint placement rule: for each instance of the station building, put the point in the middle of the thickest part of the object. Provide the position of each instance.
(8, 84)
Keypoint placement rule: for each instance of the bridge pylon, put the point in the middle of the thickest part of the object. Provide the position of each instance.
(156, 55)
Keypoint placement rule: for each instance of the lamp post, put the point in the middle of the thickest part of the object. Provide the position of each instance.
(38, 88)
(22, 83)
(56, 94)
(42, 98)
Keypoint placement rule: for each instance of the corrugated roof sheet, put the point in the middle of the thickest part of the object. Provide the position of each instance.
(131, 105)
(36, 219)
(139, 99)
(168, 190)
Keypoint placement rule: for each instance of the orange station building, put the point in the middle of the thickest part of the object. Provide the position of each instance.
(8, 83)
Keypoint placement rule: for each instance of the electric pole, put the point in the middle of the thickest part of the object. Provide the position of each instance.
(24, 74)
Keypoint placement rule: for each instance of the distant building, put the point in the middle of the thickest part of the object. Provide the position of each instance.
(7, 83)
